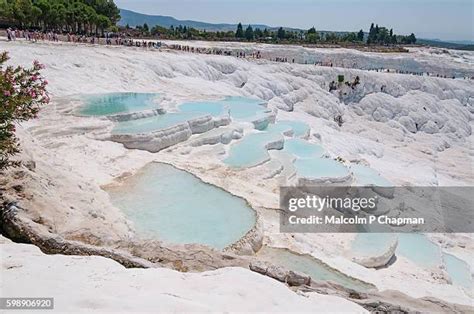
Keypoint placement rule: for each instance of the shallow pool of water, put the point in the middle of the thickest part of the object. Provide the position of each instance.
(153, 123)
(303, 149)
(310, 266)
(278, 128)
(176, 207)
(415, 247)
(317, 168)
(419, 249)
(239, 108)
(458, 270)
(366, 176)
(114, 103)
(299, 128)
(251, 150)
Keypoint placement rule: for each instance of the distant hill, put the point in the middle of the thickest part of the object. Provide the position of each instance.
(460, 42)
(134, 19)
(444, 44)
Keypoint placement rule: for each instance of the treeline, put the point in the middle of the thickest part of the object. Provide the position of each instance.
(381, 35)
(241, 34)
(76, 16)
(377, 35)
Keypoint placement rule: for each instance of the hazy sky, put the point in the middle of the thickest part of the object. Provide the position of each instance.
(443, 19)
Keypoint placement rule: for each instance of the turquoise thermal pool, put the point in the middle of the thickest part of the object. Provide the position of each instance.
(310, 266)
(239, 108)
(303, 149)
(419, 249)
(319, 168)
(458, 271)
(153, 123)
(252, 150)
(366, 176)
(416, 248)
(299, 128)
(278, 128)
(174, 206)
(115, 103)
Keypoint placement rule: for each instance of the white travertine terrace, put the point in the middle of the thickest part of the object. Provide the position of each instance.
(416, 130)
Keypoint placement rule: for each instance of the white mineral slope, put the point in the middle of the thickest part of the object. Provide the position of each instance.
(378, 130)
(96, 284)
(420, 59)
(401, 132)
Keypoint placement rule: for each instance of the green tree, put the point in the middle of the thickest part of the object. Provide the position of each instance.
(5, 9)
(360, 36)
(312, 38)
(281, 33)
(59, 15)
(103, 22)
(266, 33)
(21, 10)
(350, 37)
(36, 15)
(249, 35)
(240, 31)
(382, 35)
(372, 35)
(332, 38)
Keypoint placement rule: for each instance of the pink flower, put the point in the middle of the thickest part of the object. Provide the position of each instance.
(33, 94)
(7, 93)
(38, 65)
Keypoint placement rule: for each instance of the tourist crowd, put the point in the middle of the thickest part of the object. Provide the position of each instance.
(121, 40)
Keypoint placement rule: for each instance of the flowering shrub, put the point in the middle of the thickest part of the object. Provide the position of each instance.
(22, 93)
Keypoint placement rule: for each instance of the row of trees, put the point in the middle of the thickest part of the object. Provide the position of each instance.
(381, 35)
(281, 34)
(241, 34)
(78, 16)
(377, 35)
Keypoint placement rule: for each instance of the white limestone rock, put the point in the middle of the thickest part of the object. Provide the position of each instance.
(96, 285)
(380, 260)
(136, 115)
